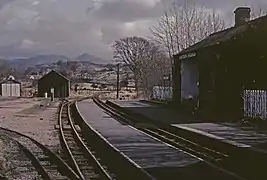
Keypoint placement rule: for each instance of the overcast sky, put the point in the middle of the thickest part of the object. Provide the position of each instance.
(71, 27)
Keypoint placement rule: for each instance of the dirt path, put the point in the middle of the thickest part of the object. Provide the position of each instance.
(31, 116)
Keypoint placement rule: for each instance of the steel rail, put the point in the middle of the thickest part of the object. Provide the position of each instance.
(101, 170)
(125, 167)
(65, 146)
(211, 157)
(63, 167)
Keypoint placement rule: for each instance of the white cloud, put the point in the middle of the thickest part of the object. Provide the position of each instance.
(147, 3)
(26, 44)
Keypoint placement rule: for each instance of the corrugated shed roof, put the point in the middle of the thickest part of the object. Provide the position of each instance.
(10, 81)
(222, 36)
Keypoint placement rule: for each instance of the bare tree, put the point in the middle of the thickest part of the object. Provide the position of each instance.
(153, 68)
(184, 25)
(131, 51)
(142, 57)
(257, 11)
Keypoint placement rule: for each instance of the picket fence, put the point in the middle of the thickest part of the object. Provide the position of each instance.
(255, 103)
(162, 93)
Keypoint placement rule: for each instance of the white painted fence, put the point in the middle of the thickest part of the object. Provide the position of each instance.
(255, 103)
(162, 93)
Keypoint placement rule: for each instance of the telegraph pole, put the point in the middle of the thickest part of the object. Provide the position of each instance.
(118, 80)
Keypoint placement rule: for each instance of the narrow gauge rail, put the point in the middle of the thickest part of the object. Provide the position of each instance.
(120, 165)
(46, 163)
(210, 156)
(247, 163)
(79, 156)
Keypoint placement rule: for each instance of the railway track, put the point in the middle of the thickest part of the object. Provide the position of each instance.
(247, 163)
(78, 153)
(41, 163)
(119, 165)
(215, 158)
(89, 154)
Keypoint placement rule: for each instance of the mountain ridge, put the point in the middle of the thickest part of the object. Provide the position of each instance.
(46, 59)
(91, 58)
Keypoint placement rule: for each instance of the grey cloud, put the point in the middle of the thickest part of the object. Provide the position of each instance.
(70, 27)
(127, 11)
(4, 2)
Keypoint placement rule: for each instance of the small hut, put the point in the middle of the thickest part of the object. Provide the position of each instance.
(10, 87)
(56, 81)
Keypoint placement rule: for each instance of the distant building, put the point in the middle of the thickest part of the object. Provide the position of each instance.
(55, 80)
(10, 88)
(34, 76)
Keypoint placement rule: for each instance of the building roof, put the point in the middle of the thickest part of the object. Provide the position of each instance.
(53, 71)
(223, 36)
(10, 81)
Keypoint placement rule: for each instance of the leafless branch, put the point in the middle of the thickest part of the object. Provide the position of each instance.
(146, 60)
(257, 11)
(184, 25)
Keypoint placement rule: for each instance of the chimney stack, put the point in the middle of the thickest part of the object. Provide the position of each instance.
(242, 15)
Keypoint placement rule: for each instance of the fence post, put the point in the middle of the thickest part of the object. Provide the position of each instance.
(265, 104)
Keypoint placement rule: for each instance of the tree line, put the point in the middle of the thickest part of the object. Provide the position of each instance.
(182, 25)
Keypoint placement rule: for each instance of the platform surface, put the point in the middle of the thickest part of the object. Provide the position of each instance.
(153, 155)
(231, 133)
(227, 133)
(141, 148)
(156, 112)
(134, 103)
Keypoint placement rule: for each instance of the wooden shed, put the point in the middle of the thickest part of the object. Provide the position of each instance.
(10, 88)
(217, 70)
(56, 81)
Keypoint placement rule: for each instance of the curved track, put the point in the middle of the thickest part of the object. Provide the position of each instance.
(118, 163)
(81, 158)
(47, 164)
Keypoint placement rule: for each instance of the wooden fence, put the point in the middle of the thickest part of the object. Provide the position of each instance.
(255, 103)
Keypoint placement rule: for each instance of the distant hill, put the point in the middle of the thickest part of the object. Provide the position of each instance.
(24, 63)
(110, 66)
(87, 57)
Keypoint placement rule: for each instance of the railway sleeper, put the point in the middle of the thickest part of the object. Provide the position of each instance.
(82, 158)
(77, 153)
(60, 178)
(67, 133)
(24, 163)
(47, 163)
(26, 169)
(91, 175)
(72, 144)
(43, 158)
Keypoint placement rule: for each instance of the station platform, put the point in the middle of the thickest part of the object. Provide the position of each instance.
(159, 159)
(231, 133)
(155, 111)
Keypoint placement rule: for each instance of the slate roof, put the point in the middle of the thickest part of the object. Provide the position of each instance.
(223, 36)
(53, 71)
